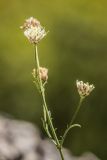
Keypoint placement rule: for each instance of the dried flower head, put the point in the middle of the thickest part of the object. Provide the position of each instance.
(33, 30)
(84, 89)
(42, 73)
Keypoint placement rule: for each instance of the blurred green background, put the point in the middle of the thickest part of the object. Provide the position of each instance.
(75, 48)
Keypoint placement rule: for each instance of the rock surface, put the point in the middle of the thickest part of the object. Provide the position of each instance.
(20, 140)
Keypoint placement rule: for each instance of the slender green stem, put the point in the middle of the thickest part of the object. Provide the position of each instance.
(46, 108)
(72, 120)
(49, 120)
(38, 66)
(77, 110)
(61, 154)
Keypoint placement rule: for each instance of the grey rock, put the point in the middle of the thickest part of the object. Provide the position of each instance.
(20, 140)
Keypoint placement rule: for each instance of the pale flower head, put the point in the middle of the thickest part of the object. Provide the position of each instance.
(84, 89)
(33, 30)
(42, 73)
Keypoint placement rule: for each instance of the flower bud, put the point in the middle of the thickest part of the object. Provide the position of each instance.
(43, 73)
(34, 73)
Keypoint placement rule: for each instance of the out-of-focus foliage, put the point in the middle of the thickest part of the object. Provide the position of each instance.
(75, 48)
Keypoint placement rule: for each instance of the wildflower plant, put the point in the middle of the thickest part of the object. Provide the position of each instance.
(35, 33)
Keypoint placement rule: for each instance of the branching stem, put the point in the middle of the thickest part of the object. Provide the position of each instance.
(48, 116)
(71, 123)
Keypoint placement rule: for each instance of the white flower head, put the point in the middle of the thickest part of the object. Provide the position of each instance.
(33, 30)
(84, 89)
